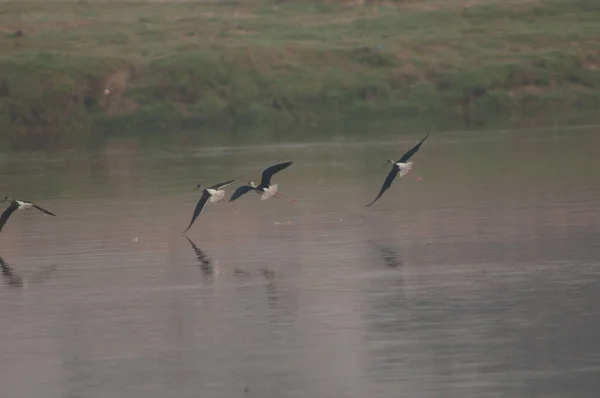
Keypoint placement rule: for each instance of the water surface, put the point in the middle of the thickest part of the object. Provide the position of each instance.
(481, 280)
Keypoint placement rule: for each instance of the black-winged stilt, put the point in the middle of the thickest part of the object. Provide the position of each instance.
(214, 193)
(18, 205)
(265, 189)
(402, 166)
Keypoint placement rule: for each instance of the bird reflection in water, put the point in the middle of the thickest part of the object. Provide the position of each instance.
(13, 279)
(204, 261)
(269, 276)
(391, 258)
(279, 310)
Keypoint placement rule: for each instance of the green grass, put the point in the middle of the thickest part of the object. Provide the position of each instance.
(201, 65)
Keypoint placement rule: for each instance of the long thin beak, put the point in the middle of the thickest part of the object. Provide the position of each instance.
(385, 164)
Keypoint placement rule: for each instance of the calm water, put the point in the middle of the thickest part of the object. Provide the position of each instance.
(482, 280)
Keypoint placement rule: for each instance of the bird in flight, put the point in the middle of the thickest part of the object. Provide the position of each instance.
(214, 193)
(265, 188)
(402, 166)
(18, 205)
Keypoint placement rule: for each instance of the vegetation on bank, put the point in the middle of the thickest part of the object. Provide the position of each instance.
(238, 63)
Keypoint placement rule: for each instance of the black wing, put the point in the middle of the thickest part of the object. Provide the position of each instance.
(9, 210)
(199, 207)
(240, 191)
(270, 171)
(223, 184)
(414, 150)
(43, 210)
(387, 183)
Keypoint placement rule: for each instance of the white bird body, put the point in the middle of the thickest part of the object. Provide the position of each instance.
(24, 205)
(404, 168)
(269, 192)
(216, 195)
(265, 193)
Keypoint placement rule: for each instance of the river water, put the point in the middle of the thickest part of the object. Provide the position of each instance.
(481, 280)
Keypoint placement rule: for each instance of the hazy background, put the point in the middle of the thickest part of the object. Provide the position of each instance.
(482, 280)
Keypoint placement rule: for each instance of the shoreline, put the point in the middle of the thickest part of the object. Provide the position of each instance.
(279, 67)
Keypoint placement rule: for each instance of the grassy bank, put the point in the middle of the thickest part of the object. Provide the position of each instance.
(197, 65)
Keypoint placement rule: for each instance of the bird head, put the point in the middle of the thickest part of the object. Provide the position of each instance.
(389, 161)
(199, 186)
(252, 184)
(6, 198)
